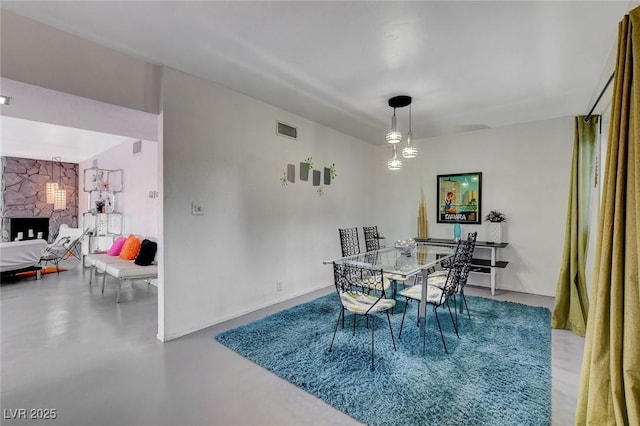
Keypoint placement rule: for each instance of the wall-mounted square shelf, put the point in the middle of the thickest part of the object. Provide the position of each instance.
(102, 180)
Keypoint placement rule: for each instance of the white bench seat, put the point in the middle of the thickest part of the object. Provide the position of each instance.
(119, 268)
(127, 270)
(98, 262)
(130, 270)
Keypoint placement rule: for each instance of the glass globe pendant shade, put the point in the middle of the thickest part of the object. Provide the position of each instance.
(410, 151)
(394, 136)
(50, 190)
(395, 163)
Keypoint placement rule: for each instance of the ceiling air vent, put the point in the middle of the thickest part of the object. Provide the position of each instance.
(286, 130)
(137, 147)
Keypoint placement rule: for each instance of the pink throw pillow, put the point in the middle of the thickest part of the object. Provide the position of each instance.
(116, 247)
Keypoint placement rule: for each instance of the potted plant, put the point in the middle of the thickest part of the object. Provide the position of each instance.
(496, 219)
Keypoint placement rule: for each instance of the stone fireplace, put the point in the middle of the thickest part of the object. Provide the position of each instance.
(23, 193)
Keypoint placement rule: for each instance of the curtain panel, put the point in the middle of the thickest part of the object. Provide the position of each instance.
(609, 391)
(572, 301)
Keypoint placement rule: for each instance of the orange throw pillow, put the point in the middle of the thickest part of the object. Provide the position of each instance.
(130, 248)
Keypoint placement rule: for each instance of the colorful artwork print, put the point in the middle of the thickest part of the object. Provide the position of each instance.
(459, 198)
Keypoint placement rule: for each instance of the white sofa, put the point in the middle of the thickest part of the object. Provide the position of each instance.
(19, 256)
(122, 270)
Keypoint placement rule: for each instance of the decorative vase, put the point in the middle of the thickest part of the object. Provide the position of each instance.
(457, 232)
(495, 232)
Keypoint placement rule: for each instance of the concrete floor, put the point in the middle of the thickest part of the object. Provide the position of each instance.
(67, 347)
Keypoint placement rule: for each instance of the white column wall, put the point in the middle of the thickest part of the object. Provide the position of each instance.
(525, 171)
(219, 147)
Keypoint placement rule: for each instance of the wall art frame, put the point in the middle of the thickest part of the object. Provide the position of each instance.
(460, 198)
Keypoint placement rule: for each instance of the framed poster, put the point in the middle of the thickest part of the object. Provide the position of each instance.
(460, 198)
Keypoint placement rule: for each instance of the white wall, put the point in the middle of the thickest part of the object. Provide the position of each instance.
(525, 170)
(140, 175)
(219, 147)
(41, 55)
(50, 106)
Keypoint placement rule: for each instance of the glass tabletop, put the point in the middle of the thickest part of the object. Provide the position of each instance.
(392, 262)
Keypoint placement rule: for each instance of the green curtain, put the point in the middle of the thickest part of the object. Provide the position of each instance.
(609, 391)
(572, 302)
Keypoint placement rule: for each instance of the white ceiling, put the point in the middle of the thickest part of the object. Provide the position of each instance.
(43, 141)
(468, 65)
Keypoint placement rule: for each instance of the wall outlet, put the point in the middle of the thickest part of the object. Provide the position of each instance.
(278, 286)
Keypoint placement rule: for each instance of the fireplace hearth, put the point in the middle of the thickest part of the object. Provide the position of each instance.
(29, 227)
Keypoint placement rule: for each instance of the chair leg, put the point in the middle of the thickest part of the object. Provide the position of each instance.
(91, 273)
(440, 328)
(391, 330)
(455, 326)
(104, 278)
(464, 299)
(406, 304)
(455, 311)
(341, 314)
(354, 324)
(394, 284)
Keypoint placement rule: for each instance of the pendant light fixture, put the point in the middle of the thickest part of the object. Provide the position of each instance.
(395, 163)
(60, 202)
(410, 151)
(56, 195)
(52, 186)
(394, 136)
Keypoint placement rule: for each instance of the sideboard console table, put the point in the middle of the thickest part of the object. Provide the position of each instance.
(479, 266)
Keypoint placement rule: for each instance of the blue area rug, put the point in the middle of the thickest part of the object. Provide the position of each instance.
(497, 373)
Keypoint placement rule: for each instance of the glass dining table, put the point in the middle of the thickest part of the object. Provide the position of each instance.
(392, 262)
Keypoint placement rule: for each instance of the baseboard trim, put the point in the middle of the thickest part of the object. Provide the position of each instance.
(179, 333)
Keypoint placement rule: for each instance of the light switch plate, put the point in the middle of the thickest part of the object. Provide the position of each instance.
(197, 208)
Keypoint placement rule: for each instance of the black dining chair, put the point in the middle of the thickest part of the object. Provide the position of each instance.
(371, 238)
(372, 243)
(467, 248)
(349, 241)
(439, 296)
(354, 286)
